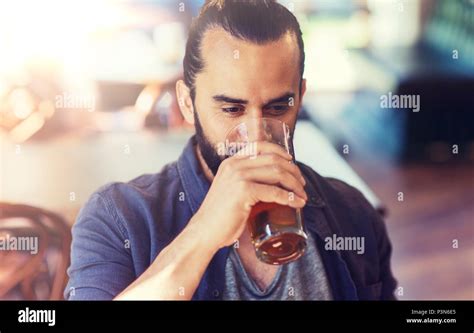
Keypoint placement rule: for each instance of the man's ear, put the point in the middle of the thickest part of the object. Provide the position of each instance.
(185, 101)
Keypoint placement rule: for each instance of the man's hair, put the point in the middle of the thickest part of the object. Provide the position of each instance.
(256, 21)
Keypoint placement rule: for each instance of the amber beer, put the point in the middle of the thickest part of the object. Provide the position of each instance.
(277, 231)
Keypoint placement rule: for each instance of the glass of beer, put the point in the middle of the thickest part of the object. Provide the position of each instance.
(276, 231)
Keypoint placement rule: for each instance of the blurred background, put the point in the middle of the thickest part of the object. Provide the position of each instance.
(87, 97)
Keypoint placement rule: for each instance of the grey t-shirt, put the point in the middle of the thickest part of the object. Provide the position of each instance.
(303, 279)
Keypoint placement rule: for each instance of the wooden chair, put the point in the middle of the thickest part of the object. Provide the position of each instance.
(27, 275)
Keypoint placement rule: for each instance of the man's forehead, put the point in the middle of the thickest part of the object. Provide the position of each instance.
(218, 44)
(246, 70)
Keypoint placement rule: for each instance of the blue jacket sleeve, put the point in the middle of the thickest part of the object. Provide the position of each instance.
(101, 265)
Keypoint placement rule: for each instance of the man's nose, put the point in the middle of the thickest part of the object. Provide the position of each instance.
(256, 126)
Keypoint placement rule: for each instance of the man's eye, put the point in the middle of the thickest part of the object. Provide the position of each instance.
(278, 109)
(233, 109)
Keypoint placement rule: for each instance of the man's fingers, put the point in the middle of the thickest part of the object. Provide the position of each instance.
(270, 193)
(276, 176)
(273, 163)
(253, 149)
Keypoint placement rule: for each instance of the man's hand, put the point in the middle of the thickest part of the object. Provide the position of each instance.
(240, 183)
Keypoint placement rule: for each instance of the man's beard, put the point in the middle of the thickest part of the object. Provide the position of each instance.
(208, 152)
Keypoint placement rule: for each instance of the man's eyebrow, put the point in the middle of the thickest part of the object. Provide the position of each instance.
(227, 99)
(282, 99)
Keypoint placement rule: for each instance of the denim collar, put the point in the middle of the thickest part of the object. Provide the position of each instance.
(194, 181)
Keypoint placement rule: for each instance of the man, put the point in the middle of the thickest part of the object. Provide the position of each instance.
(170, 235)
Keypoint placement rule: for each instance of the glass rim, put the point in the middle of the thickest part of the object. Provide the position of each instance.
(265, 119)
